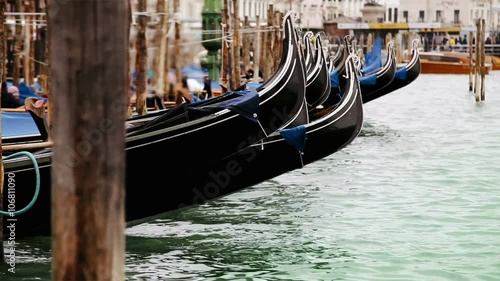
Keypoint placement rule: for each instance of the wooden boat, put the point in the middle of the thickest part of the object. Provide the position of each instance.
(308, 50)
(318, 80)
(446, 63)
(404, 76)
(494, 60)
(185, 137)
(375, 82)
(337, 76)
(329, 130)
(338, 57)
(371, 84)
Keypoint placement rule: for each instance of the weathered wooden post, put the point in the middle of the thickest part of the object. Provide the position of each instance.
(477, 59)
(483, 57)
(269, 62)
(3, 52)
(159, 43)
(89, 78)
(235, 48)
(388, 38)
(399, 47)
(177, 43)
(278, 43)
(256, 47)
(129, 62)
(17, 45)
(236, 71)
(141, 60)
(47, 78)
(369, 42)
(162, 83)
(246, 45)
(471, 69)
(361, 43)
(263, 51)
(168, 55)
(27, 44)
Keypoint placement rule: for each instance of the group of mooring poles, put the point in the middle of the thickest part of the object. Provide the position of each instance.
(266, 44)
(477, 58)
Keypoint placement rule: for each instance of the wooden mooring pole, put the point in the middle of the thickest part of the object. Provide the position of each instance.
(478, 68)
(141, 61)
(483, 57)
(476, 59)
(256, 47)
(235, 47)
(3, 55)
(269, 61)
(246, 45)
(88, 166)
(471, 67)
(46, 76)
(177, 43)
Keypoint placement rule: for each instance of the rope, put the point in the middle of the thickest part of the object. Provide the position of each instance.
(37, 184)
(37, 61)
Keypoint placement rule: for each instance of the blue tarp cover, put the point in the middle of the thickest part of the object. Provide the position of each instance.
(374, 66)
(296, 137)
(368, 80)
(334, 79)
(18, 124)
(373, 59)
(26, 92)
(401, 73)
(247, 104)
(375, 52)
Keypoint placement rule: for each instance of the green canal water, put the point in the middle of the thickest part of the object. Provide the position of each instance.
(415, 197)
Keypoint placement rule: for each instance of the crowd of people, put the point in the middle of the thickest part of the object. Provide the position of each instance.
(445, 42)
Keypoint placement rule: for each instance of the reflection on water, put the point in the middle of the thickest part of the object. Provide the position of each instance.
(415, 197)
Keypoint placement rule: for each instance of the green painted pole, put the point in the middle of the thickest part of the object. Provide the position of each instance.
(212, 19)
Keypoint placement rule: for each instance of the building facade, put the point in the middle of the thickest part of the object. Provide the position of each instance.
(391, 10)
(452, 12)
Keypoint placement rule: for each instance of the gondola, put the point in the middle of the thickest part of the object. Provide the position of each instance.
(373, 83)
(328, 131)
(318, 80)
(339, 56)
(404, 75)
(308, 50)
(183, 138)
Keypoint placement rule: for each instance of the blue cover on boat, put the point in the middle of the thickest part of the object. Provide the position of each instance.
(18, 124)
(296, 137)
(368, 80)
(401, 73)
(375, 65)
(26, 92)
(334, 79)
(375, 52)
(247, 104)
